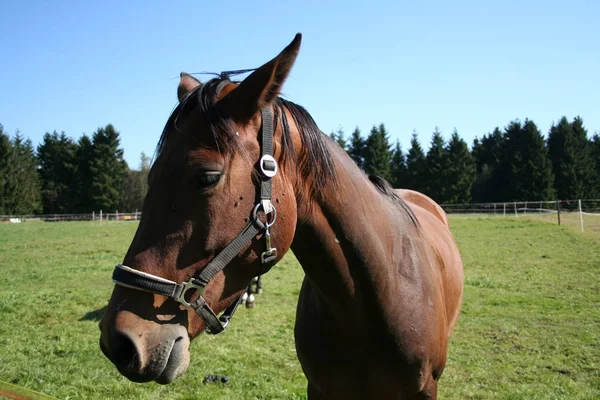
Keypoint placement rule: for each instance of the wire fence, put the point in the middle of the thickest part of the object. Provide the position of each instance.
(93, 216)
(583, 213)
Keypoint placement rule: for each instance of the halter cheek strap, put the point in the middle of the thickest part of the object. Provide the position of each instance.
(134, 279)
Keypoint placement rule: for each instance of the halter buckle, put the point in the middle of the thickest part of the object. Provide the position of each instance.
(188, 286)
(268, 166)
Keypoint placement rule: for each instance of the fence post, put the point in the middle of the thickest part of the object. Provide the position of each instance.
(504, 209)
(117, 215)
(558, 210)
(516, 215)
(100, 215)
(494, 208)
(580, 215)
(93, 215)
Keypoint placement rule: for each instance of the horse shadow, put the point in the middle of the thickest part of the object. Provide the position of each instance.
(95, 315)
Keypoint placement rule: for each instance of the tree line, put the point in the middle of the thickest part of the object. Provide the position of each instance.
(515, 163)
(63, 176)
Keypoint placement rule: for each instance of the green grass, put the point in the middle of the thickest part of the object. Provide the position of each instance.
(530, 327)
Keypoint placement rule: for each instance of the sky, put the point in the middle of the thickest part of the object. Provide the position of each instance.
(74, 66)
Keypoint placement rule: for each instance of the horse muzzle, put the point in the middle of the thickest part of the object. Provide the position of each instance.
(145, 351)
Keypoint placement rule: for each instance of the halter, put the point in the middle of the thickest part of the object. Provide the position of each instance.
(134, 279)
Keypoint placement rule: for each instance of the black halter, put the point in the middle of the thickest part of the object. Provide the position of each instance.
(131, 278)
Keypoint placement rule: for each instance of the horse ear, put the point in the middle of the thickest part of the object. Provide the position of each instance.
(263, 85)
(186, 85)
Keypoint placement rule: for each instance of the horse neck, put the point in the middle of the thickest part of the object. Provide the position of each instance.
(346, 241)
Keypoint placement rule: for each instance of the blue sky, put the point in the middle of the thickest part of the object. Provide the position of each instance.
(471, 65)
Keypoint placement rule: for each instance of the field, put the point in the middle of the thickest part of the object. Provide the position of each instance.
(530, 326)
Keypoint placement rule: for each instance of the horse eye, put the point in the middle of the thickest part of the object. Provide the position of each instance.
(208, 179)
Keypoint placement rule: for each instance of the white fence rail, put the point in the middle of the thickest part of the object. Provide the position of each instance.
(100, 216)
(584, 212)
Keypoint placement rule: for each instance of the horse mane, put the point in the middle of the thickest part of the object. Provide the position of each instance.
(315, 164)
(386, 189)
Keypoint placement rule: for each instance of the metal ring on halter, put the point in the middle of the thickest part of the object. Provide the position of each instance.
(267, 223)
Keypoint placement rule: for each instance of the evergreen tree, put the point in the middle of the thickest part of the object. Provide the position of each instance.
(338, 137)
(85, 154)
(135, 186)
(436, 166)
(398, 168)
(460, 173)
(26, 196)
(526, 172)
(569, 152)
(486, 154)
(378, 154)
(415, 165)
(586, 164)
(356, 148)
(108, 169)
(5, 171)
(595, 144)
(58, 173)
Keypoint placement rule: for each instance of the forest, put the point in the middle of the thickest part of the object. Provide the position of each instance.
(514, 163)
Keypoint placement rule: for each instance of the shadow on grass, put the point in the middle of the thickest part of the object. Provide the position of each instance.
(95, 315)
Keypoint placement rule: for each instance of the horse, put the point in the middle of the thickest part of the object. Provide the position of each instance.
(255, 286)
(243, 175)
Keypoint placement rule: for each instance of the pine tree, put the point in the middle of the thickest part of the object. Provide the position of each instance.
(135, 186)
(486, 154)
(85, 154)
(586, 166)
(26, 198)
(108, 169)
(338, 137)
(398, 168)
(356, 148)
(415, 165)
(460, 173)
(569, 152)
(595, 145)
(436, 167)
(378, 154)
(5, 171)
(526, 172)
(58, 173)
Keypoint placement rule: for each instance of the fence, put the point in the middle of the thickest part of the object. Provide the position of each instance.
(584, 213)
(100, 216)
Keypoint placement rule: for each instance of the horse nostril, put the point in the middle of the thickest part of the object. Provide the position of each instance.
(125, 354)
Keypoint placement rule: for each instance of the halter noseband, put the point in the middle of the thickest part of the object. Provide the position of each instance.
(134, 279)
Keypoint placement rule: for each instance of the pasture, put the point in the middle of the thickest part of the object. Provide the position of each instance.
(529, 329)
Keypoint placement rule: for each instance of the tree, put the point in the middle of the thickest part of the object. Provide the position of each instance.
(338, 137)
(5, 170)
(436, 166)
(26, 198)
(586, 164)
(571, 159)
(460, 172)
(526, 172)
(595, 144)
(84, 156)
(486, 154)
(356, 148)
(415, 165)
(135, 186)
(58, 173)
(108, 169)
(377, 153)
(398, 169)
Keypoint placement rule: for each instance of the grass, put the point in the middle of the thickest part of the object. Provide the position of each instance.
(530, 327)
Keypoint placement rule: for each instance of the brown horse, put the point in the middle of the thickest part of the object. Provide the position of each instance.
(384, 278)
